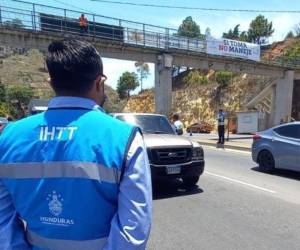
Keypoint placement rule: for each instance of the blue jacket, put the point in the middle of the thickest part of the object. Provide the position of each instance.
(221, 118)
(70, 158)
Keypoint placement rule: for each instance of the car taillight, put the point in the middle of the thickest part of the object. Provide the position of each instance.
(256, 137)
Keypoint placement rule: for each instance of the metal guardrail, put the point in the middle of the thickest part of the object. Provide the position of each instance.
(41, 18)
(66, 21)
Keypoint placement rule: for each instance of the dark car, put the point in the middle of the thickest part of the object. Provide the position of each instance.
(278, 147)
(200, 127)
(170, 156)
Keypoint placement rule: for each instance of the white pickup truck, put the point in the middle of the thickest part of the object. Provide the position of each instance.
(171, 156)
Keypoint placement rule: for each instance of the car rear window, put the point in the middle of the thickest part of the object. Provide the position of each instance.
(291, 131)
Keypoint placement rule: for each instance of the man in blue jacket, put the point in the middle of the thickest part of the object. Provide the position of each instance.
(74, 177)
(221, 126)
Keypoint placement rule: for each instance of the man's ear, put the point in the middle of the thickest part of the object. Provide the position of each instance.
(50, 81)
(99, 83)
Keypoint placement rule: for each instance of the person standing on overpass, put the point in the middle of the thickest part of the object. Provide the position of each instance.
(221, 126)
(66, 174)
(83, 24)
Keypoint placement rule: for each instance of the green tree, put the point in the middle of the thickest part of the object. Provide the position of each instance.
(233, 34)
(14, 23)
(127, 82)
(244, 36)
(223, 78)
(19, 97)
(143, 70)
(189, 28)
(260, 28)
(290, 35)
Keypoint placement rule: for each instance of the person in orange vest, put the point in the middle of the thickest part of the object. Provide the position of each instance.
(83, 24)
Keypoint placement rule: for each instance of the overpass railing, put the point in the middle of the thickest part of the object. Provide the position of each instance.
(37, 17)
(18, 14)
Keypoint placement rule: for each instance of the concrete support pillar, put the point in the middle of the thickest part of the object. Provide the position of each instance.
(282, 103)
(163, 84)
(271, 118)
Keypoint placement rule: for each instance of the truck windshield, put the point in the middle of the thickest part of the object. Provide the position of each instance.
(149, 124)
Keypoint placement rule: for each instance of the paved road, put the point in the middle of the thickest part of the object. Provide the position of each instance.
(234, 207)
(213, 136)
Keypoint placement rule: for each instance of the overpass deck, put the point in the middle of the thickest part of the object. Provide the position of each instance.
(36, 19)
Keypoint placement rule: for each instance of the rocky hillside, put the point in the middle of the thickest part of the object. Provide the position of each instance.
(143, 103)
(287, 49)
(196, 102)
(201, 103)
(29, 69)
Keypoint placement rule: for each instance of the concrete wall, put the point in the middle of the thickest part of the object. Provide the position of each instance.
(283, 98)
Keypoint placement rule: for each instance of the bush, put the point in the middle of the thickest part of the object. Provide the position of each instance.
(292, 55)
(7, 110)
(195, 77)
(19, 97)
(223, 78)
(4, 111)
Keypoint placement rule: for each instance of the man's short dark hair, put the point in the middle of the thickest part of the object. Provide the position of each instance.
(73, 66)
(176, 117)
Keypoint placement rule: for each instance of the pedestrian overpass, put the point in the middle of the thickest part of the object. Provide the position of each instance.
(38, 25)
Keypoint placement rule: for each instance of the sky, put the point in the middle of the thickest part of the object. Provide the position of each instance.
(218, 22)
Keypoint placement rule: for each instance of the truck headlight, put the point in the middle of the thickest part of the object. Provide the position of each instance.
(198, 154)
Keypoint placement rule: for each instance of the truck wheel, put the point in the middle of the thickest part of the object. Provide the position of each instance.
(190, 181)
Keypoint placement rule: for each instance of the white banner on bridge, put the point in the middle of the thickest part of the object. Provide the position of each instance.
(227, 47)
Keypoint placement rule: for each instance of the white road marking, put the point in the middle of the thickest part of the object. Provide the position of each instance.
(241, 182)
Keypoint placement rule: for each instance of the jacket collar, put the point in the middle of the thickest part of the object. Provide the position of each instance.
(73, 102)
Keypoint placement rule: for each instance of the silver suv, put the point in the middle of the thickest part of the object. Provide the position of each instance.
(171, 156)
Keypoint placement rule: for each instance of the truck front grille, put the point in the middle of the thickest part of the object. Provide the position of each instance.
(169, 156)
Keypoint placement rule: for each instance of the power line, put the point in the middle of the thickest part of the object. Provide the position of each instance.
(196, 8)
(71, 5)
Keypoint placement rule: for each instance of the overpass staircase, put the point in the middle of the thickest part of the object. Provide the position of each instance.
(264, 100)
